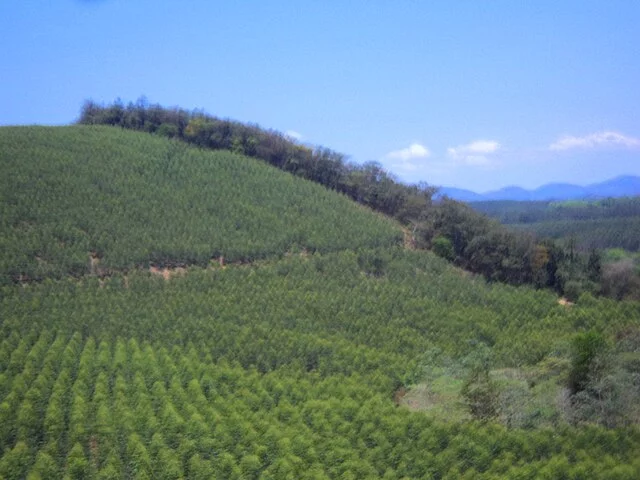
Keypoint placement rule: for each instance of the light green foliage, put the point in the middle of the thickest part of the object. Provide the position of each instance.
(14, 463)
(284, 368)
(44, 467)
(132, 199)
(77, 466)
(280, 371)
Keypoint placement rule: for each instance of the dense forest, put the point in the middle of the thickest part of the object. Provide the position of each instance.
(602, 224)
(78, 199)
(173, 312)
(606, 231)
(452, 229)
(287, 370)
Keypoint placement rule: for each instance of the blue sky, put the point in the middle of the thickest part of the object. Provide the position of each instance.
(471, 94)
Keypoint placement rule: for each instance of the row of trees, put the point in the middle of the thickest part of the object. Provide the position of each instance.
(328, 313)
(600, 233)
(123, 409)
(372, 313)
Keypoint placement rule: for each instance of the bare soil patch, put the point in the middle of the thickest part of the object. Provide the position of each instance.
(167, 273)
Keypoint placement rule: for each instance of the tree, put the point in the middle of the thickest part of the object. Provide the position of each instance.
(443, 247)
(479, 390)
(594, 265)
(14, 462)
(586, 351)
(77, 465)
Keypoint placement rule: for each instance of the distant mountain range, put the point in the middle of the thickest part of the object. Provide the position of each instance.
(622, 186)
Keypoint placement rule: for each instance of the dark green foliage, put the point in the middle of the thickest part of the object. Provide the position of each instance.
(607, 223)
(480, 394)
(443, 247)
(594, 266)
(483, 246)
(587, 350)
(582, 230)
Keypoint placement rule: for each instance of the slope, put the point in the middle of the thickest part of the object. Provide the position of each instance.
(284, 368)
(132, 199)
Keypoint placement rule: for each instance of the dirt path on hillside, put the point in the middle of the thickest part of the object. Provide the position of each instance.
(167, 273)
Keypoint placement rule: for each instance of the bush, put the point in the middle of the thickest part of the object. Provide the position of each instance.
(443, 247)
(586, 351)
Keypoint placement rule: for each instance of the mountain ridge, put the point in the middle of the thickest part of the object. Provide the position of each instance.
(620, 186)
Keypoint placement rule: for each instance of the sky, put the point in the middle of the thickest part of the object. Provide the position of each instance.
(464, 93)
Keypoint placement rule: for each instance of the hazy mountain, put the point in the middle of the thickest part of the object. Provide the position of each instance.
(560, 191)
(622, 186)
(514, 193)
(618, 187)
(460, 194)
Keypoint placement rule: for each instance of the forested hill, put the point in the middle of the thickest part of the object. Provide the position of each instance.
(92, 197)
(297, 363)
(452, 229)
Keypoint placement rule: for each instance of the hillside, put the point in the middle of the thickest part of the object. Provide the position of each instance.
(455, 231)
(294, 358)
(131, 200)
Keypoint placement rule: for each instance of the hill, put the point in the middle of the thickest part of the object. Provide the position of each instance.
(292, 362)
(130, 200)
(617, 187)
(451, 228)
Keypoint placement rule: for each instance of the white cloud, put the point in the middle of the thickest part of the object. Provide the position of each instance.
(407, 160)
(293, 135)
(599, 139)
(475, 153)
(415, 150)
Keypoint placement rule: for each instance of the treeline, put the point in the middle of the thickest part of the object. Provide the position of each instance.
(452, 229)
